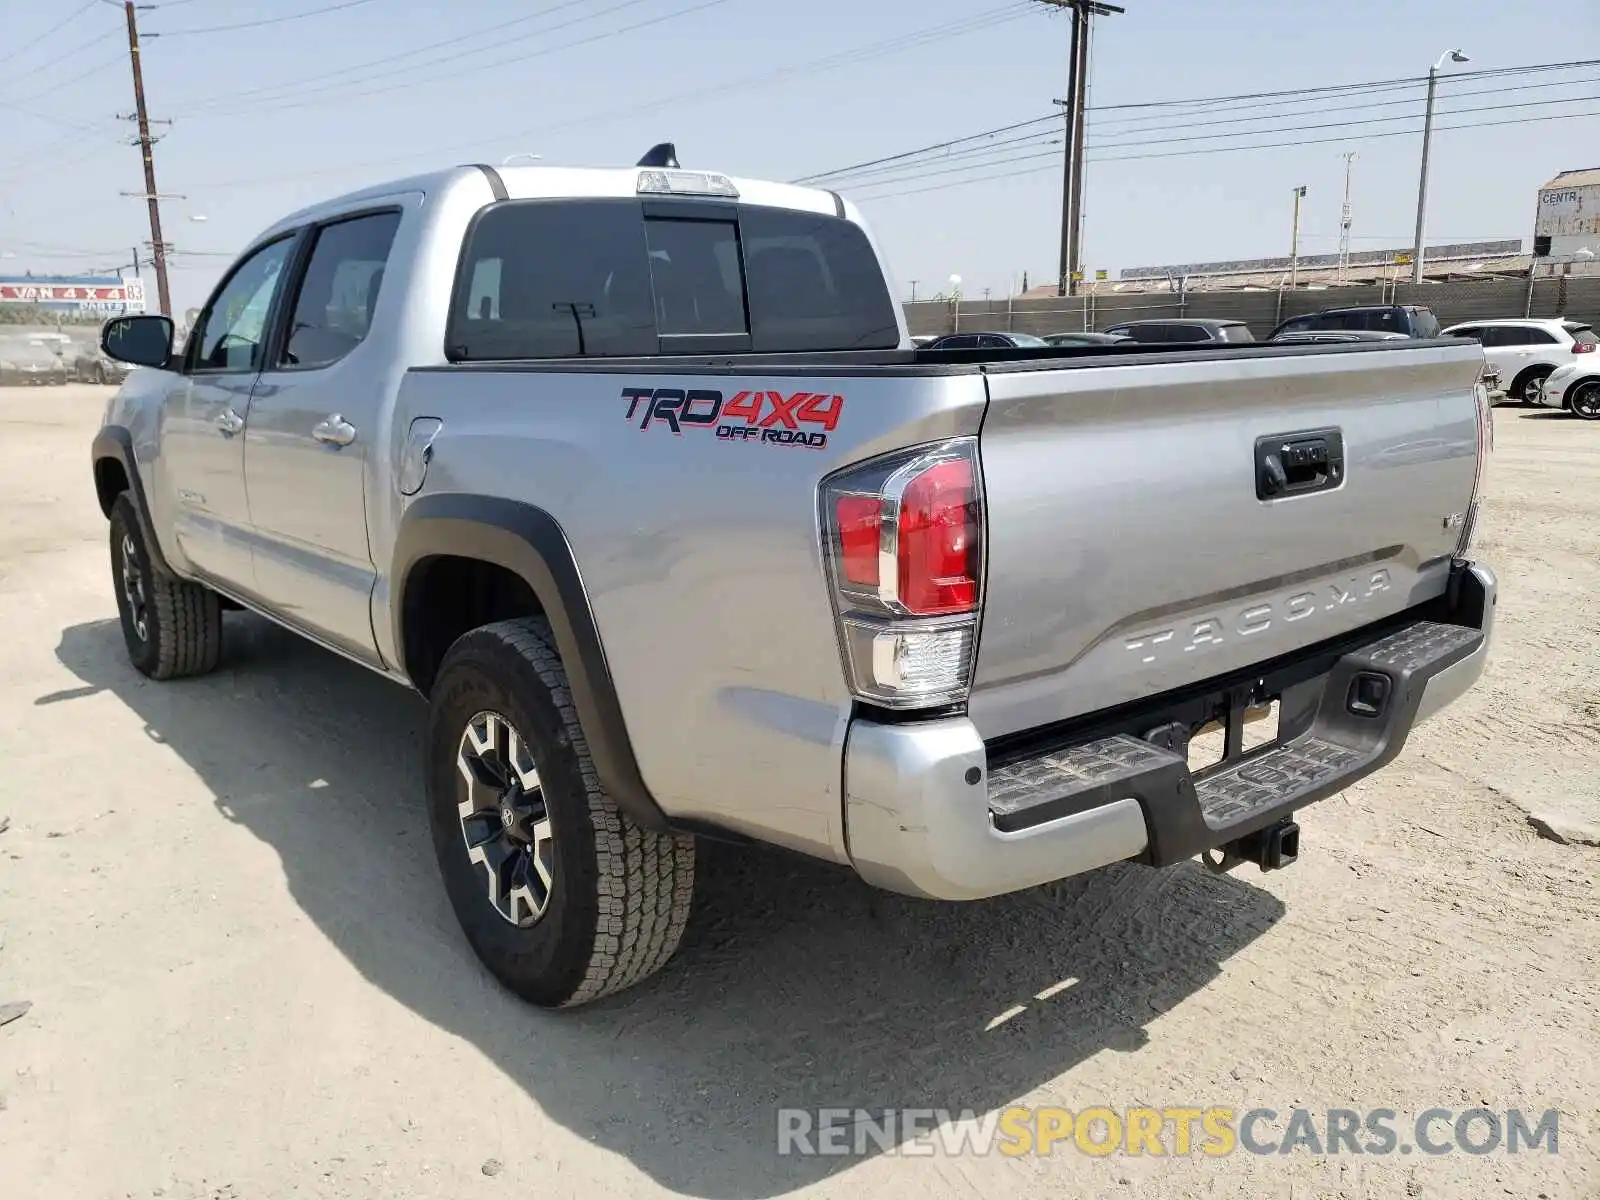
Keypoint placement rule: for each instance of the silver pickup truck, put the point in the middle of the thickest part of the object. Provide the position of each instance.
(636, 475)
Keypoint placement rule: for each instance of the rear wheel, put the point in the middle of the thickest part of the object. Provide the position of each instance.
(1584, 400)
(562, 896)
(171, 627)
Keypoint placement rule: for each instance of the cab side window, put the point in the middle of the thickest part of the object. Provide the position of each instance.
(339, 291)
(230, 333)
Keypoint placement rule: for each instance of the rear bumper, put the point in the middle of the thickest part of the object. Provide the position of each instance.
(928, 814)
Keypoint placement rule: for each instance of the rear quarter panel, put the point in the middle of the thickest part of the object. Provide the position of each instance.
(701, 560)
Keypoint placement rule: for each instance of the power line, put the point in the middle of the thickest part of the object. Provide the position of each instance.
(864, 177)
(1220, 150)
(1216, 103)
(290, 86)
(57, 27)
(721, 89)
(56, 61)
(279, 20)
(410, 80)
(811, 179)
(1485, 73)
(1275, 110)
(51, 118)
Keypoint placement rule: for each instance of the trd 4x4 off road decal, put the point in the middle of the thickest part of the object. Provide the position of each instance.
(768, 417)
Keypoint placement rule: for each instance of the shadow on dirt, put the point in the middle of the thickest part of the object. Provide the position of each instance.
(797, 986)
(1547, 414)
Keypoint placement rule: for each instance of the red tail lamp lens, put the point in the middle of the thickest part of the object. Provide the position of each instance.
(939, 541)
(860, 520)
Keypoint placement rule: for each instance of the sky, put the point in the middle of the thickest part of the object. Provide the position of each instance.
(287, 110)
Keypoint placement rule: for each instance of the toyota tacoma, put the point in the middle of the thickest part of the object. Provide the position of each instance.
(638, 477)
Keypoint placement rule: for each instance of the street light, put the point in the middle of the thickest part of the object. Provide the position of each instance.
(1294, 240)
(1427, 139)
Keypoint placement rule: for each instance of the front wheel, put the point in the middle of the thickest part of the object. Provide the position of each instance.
(562, 896)
(171, 627)
(1585, 400)
(1526, 390)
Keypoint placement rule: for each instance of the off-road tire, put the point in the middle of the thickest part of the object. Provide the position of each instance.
(1583, 401)
(620, 895)
(182, 620)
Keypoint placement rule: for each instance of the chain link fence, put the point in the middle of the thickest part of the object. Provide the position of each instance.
(1475, 300)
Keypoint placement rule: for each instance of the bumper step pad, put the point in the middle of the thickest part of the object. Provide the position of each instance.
(1232, 794)
(1359, 715)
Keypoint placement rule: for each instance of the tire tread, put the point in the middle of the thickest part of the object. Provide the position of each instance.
(644, 880)
(187, 617)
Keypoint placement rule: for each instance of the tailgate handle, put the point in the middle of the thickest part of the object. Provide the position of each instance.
(1295, 464)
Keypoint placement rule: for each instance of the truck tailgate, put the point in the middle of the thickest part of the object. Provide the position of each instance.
(1128, 549)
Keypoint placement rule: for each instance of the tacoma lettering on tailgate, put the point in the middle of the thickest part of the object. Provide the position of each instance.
(1201, 633)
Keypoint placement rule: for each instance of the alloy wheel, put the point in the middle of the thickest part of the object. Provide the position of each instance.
(133, 590)
(505, 825)
(1586, 401)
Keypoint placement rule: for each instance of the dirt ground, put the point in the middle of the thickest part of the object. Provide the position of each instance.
(246, 982)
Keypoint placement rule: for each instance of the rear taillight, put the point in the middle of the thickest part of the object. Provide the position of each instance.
(1583, 347)
(904, 542)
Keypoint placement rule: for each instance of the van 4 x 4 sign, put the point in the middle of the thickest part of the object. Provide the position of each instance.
(124, 294)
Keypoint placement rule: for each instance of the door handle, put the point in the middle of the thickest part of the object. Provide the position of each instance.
(334, 431)
(229, 422)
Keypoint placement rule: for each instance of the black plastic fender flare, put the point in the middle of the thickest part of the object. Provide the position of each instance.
(530, 543)
(115, 443)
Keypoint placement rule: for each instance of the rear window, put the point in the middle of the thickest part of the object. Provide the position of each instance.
(1237, 333)
(1583, 335)
(599, 278)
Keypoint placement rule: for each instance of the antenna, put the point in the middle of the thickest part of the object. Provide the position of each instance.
(662, 154)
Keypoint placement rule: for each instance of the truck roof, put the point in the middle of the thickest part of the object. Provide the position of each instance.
(534, 183)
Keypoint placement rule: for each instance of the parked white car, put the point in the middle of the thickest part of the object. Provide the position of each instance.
(1527, 351)
(1576, 387)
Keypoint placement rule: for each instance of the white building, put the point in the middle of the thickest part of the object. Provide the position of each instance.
(1569, 215)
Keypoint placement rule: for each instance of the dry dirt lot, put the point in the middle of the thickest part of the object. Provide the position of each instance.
(219, 897)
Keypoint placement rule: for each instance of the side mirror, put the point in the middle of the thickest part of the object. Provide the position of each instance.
(144, 341)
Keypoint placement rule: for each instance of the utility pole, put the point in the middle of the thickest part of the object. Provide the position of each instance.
(914, 291)
(1075, 111)
(1344, 222)
(1294, 240)
(146, 143)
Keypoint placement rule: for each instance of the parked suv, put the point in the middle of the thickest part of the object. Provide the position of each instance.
(1527, 351)
(1183, 329)
(1410, 320)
